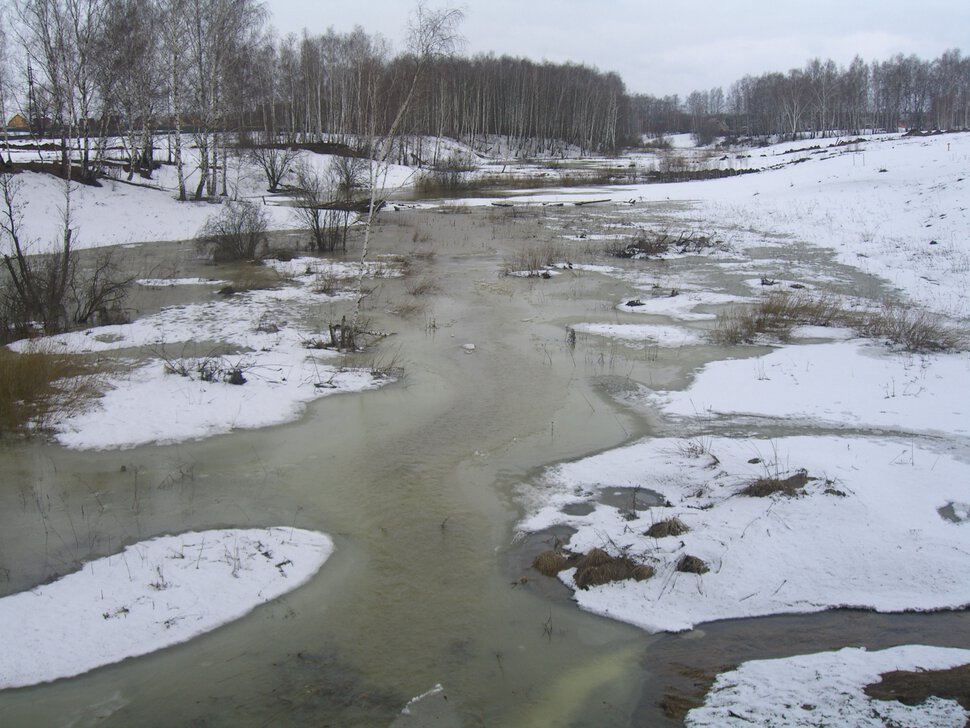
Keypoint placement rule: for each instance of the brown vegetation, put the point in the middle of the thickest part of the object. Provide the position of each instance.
(35, 386)
(767, 486)
(776, 314)
(667, 527)
(692, 565)
(594, 568)
(914, 688)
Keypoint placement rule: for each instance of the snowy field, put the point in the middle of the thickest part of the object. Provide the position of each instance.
(867, 502)
(152, 595)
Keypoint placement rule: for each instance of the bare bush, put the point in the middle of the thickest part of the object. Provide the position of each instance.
(275, 162)
(349, 174)
(448, 175)
(317, 212)
(238, 232)
(51, 291)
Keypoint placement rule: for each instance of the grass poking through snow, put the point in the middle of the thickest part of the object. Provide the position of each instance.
(37, 385)
(776, 314)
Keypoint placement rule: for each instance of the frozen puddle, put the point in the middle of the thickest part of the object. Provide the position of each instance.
(152, 595)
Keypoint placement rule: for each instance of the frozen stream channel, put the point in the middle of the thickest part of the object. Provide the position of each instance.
(415, 482)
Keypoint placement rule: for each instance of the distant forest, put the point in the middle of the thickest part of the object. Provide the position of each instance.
(82, 70)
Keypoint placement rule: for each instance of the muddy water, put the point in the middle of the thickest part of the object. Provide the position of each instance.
(416, 484)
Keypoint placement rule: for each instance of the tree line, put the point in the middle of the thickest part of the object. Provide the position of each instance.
(820, 99)
(213, 73)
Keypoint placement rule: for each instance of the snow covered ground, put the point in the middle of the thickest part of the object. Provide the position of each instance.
(879, 524)
(877, 439)
(871, 441)
(152, 595)
(187, 383)
(826, 689)
(121, 212)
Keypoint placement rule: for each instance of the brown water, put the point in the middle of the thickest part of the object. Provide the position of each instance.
(416, 484)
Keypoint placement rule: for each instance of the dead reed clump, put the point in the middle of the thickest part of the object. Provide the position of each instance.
(532, 260)
(776, 314)
(550, 563)
(692, 565)
(768, 486)
(667, 527)
(598, 567)
(914, 329)
(422, 287)
(38, 384)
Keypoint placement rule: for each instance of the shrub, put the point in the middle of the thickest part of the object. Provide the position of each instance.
(238, 232)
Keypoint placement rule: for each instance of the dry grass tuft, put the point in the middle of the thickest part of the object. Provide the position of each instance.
(914, 329)
(532, 259)
(550, 563)
(422, 287)
(692, 565)
(667, 527)
(776, 315)
(38, 385)
(790, 486)
(593, 568)
(598, 567)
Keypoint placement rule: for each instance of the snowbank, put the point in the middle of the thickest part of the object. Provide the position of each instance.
(826, 689)
(152, 595)
(879, 525)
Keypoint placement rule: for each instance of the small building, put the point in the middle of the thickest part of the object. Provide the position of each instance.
(18, 122)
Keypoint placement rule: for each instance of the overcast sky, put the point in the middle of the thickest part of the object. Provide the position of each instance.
(667, 47)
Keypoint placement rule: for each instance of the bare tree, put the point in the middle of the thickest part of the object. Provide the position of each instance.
(52, 289)
(275, 161)
(431, 34)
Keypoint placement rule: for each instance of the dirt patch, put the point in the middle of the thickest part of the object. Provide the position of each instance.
(913, 688)
(790, 486)
(594, 568)
(692, 565)
(667, 527)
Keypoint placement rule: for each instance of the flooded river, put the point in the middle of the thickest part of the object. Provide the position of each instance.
(416, 483)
